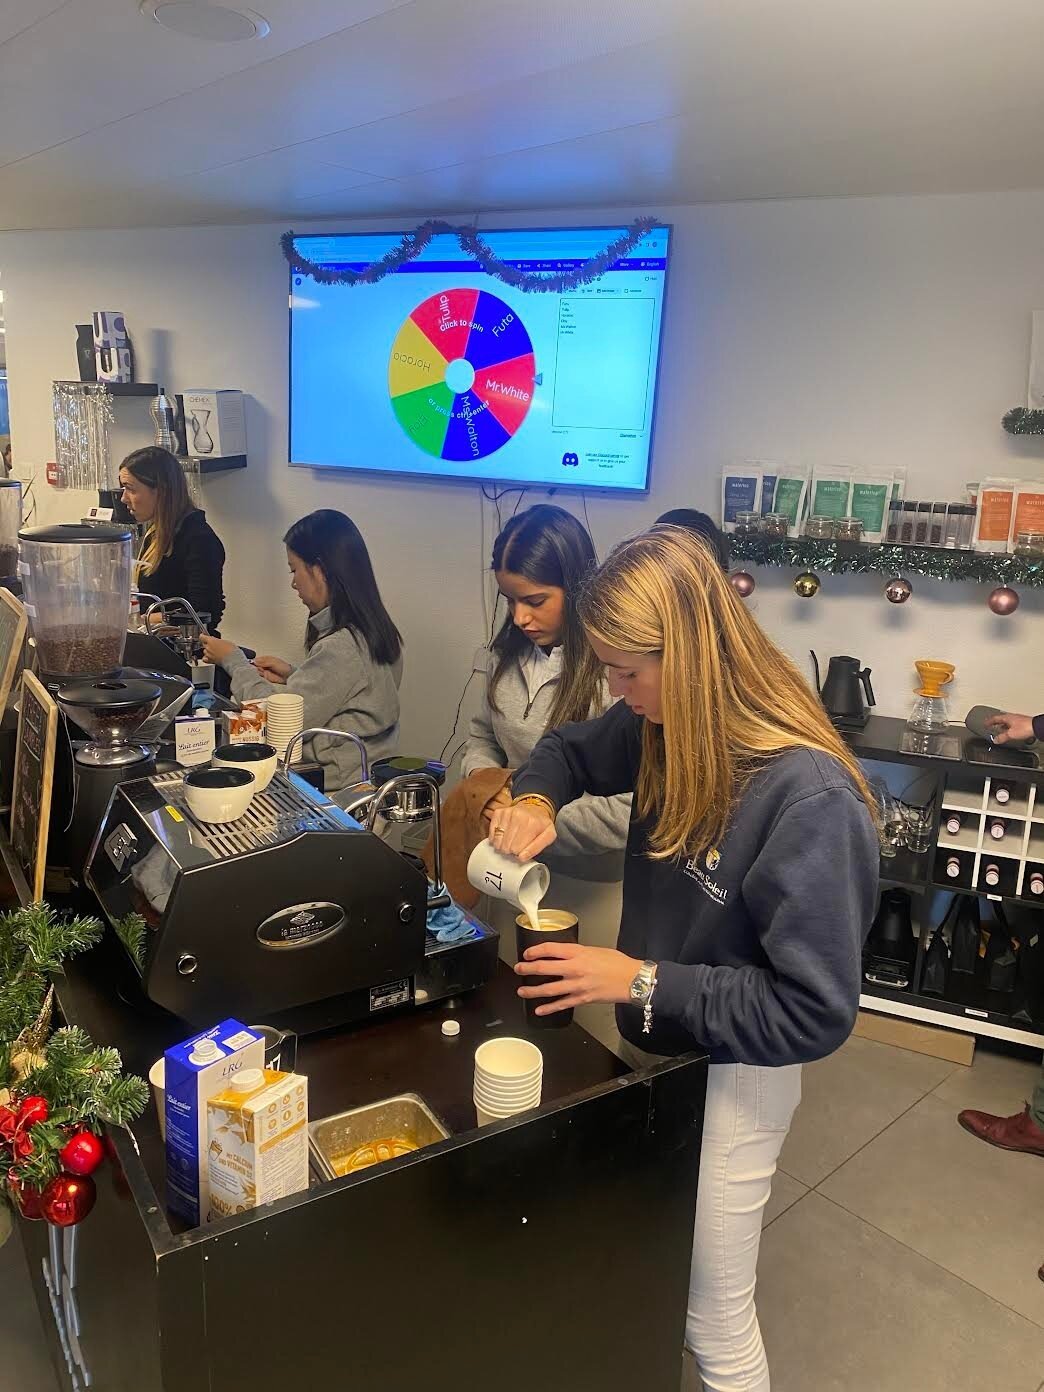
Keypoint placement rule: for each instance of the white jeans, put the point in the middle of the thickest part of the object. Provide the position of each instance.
(747, 1117)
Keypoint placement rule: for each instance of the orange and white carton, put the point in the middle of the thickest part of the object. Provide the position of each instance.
(257, 1131)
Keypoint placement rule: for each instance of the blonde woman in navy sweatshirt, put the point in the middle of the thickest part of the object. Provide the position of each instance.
(749, 887)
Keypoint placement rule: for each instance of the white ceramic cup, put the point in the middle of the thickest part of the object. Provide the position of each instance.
(504, 876)
(259, 759)
(219, 794)
(157, 1078)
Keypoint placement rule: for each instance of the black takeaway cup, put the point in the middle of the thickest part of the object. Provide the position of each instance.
(553, 926)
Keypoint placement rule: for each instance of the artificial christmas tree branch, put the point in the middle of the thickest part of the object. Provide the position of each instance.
(54, 1092)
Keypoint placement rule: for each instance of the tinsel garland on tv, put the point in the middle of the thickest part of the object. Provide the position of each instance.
(1020, 420)
(850, 558)
(472, 244)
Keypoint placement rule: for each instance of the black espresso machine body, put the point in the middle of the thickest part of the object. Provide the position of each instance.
(294, 915)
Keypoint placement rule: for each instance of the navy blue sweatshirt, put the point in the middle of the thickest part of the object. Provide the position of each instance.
(758, 940)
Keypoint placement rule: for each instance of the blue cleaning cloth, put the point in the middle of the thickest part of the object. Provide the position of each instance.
(449, 925)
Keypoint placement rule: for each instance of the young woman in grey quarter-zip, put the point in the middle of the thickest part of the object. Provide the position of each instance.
(542, 674)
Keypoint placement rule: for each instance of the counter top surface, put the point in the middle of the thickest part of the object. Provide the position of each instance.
(882, 735)
(405, 1052)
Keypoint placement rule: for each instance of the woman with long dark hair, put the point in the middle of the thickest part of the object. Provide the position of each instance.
(353, 652)
(543, 675)
(180, 553)
(750, 885)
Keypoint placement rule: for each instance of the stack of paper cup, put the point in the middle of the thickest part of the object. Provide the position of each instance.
(285, 719)
(509, 1077)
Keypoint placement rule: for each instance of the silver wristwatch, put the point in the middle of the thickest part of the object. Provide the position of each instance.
(642, 988)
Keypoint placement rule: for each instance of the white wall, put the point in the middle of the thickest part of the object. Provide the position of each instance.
(887, 331)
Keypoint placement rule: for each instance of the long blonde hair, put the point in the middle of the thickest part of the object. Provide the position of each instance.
(731, 700)
(157, 468)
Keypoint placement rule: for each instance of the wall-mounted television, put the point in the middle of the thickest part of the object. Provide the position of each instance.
(441, 370)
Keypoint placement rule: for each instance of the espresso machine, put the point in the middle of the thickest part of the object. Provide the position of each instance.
(298, 914)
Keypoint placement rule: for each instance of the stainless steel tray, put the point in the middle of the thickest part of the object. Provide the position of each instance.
(407, 1115)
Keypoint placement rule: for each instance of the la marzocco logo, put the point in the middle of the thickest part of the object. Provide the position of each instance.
(301, 925)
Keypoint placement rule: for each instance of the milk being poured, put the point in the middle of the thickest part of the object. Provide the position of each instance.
(529, 896)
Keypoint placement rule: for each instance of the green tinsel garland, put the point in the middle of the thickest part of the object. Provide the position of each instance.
(1020, 420)
(851, 558)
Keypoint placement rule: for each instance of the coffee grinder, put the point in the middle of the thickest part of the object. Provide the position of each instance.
(111, 712)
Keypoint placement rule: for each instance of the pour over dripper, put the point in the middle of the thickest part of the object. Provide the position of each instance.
(930, 713)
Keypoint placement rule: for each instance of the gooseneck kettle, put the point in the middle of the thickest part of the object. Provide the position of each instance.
(842, 692)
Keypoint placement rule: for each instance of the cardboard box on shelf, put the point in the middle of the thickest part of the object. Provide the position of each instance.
(215, 423)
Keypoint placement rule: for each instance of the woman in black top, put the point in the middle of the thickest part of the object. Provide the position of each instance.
(180, 553)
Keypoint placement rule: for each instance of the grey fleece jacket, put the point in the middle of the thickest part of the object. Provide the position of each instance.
(343, 688)
(592, 832)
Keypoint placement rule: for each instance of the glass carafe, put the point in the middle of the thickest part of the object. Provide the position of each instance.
(77, 583)
(10, 522)
(202, 443)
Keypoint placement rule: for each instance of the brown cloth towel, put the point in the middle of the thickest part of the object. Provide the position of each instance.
(462, 830)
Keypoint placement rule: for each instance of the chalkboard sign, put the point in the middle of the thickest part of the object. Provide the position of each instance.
(33, 779)
(12, 641)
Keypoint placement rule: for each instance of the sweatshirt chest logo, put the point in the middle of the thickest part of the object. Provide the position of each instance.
(695, 871)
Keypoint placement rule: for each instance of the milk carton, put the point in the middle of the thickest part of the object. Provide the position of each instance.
(194, 1072)
(258, 1140)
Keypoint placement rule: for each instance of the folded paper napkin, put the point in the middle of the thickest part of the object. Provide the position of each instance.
(449, 925)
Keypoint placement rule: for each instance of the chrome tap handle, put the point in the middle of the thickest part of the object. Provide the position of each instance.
(302, 735)
(415, 780)
(162, 604)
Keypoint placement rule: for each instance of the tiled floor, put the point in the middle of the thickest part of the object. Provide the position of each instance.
(900, 1253)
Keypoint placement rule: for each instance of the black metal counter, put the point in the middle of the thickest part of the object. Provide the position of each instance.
(518, 1255)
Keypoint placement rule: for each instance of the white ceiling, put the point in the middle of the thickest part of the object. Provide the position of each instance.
(405, 107)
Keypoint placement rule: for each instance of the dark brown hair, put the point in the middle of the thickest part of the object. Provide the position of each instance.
(548, 546)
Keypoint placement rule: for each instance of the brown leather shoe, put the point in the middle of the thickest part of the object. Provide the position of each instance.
(1018, 1132)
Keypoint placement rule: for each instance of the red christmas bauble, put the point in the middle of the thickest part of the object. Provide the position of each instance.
(68, 1200)
(743, 583)
(1003, 600)
(31, 1110)
(26, 1198)
(81, 1154)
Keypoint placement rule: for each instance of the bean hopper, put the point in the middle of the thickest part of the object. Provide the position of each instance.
(77, 582)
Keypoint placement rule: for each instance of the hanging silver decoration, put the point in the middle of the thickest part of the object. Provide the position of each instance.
(82, 416)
